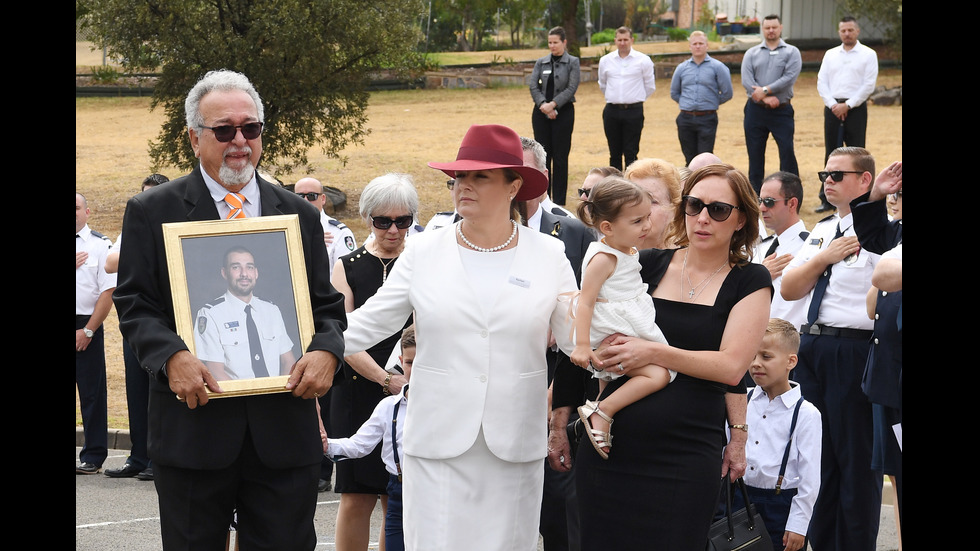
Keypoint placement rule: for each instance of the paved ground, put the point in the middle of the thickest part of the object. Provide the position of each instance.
(123, 513)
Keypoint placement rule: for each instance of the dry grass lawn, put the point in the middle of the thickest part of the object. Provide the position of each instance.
(410, 128)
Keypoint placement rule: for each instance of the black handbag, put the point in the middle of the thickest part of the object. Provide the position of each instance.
(742, 530)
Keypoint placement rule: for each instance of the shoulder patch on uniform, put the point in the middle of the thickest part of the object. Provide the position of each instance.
(202, 324)
(349, 242)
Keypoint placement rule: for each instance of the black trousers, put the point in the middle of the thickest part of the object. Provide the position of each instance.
(846, 514)
(556, 138)
(137, 400)
(93, 398)
(851, 131)
(623, 128)
(696, 133)
(275, 507)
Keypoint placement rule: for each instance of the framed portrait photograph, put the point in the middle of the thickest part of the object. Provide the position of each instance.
(241, 299)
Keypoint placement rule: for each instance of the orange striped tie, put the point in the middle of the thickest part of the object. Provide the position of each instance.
(236, 201)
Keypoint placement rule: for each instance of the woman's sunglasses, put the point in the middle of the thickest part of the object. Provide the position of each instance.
(383, 222)
(718, 211)
(226, 133)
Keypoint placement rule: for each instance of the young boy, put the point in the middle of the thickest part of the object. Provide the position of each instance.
(782, 487)
(386, 425)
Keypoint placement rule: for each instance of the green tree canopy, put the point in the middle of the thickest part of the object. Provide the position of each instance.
(309, 60)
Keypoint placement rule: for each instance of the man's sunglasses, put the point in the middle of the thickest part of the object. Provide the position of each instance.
(718, 211)
(837, 175)
(227, 132)
(383, 222)
(770, 202)
(309, 195)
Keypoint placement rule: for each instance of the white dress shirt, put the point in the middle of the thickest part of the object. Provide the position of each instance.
(850, 74)
(627, 79)
(843, 305)
(91, 279)
(793, 311)
(769, 422)
(377, 429)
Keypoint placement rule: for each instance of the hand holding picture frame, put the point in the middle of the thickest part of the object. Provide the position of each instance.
(241, 299)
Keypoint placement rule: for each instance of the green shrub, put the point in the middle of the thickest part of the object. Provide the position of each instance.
(604, 36)
(677, 35)
(105, 74)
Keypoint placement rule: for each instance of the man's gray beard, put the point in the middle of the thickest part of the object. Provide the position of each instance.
(232, 177)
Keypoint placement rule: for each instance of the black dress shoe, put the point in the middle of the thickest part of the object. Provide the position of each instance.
(323, 485)
(87, 468)
(128, 470)
(145, 474)
(826, 207)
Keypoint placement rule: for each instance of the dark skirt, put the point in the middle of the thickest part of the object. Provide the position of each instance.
(659, 487)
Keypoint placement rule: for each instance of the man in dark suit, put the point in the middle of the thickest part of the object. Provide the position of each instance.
(559, 525)
(259, 455)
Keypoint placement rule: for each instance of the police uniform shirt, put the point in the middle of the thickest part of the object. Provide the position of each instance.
(91, 279)
(220, 335)
(343, 238)
(843, 304)
(441, 219)
(790, 242)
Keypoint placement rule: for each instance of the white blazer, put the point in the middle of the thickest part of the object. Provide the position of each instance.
(473, 369)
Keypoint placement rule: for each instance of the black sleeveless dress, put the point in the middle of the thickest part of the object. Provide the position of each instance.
(659, 487)
(353, 397)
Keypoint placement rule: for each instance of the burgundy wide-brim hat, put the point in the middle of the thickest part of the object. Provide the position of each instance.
(490, 146)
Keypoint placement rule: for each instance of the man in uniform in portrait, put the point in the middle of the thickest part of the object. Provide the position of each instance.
(238, 335)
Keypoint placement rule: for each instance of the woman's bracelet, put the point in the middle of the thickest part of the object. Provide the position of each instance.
(384, 387)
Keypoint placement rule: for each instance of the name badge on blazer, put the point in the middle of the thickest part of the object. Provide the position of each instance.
(514, 280)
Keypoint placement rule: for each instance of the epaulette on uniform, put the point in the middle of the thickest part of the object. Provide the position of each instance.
(767, 238)
(214, 303)
(340, 225)
(559, 211)
(828, 217)
(100, 236)
(419, 228)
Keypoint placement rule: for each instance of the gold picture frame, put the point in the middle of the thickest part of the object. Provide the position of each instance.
(206, 297)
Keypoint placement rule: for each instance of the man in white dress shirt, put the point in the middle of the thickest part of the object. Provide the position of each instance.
(626, 79)
(846, 79)
(779, 202)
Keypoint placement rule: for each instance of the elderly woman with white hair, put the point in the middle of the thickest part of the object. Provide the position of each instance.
(389, 204)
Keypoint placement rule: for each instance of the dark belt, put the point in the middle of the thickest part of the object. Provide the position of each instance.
(625, 105)
(828, 331)
(699, 113)
(780, 106)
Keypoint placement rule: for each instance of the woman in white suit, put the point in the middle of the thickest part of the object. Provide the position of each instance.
(484, 292)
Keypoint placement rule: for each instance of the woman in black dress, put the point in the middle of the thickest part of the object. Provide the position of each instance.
(389, 205)
(659, 487)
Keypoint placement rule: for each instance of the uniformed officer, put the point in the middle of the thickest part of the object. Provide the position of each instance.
(93, 300)
(832, 273)
(338, 238)
(238, 335)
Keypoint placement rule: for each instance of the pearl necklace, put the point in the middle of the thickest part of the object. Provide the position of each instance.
(384, 265)
(691, 295)
(459, 230)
